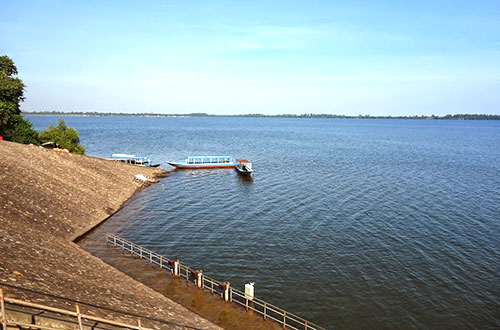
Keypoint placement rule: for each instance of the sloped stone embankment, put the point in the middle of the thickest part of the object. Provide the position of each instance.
(47, 199)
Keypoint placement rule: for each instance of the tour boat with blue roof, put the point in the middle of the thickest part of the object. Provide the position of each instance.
(133, 159)
(200, 162)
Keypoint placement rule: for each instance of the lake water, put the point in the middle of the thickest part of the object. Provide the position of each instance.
(362, 224)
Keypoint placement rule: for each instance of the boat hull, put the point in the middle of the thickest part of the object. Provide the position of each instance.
(136, 164)
(243, 172)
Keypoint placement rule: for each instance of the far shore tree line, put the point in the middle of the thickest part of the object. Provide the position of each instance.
(15, 128)
(259, 115)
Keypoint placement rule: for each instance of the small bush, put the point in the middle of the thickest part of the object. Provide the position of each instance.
(66, 137)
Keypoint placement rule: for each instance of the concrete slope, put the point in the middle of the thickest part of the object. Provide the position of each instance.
(47, 199)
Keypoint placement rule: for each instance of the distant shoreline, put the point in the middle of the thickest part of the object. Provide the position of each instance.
(330, 116)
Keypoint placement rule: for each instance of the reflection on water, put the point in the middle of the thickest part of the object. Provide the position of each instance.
(245, 180)
(200, 173)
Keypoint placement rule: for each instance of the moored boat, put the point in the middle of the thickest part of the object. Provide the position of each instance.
(202, 162)
(244, 167)
(133, 159)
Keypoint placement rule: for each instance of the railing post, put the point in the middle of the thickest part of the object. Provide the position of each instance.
(225, 293)
(223, 288)
(2, 307)
(265, 308)
(139, 323)
(177, 272)
(79, 316)
(212, 286)
(284, 320)
(199, 279)
(305, 324)
(107, 238)
(132, 248)
(114, 240)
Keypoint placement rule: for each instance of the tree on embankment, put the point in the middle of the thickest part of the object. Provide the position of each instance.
(66, 137)
(13, 126)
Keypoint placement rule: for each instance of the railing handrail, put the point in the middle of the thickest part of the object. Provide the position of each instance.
(97, 307)
(76, 313)
(149, 254)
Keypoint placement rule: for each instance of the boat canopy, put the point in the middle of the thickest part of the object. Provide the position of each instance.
(241, 160)
(123, 155)
(209, 159)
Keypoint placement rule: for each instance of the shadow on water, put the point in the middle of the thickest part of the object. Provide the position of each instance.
(245, 180)
(209, 306)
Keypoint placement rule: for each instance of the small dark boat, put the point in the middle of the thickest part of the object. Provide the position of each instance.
(244, 167)
(50, 145)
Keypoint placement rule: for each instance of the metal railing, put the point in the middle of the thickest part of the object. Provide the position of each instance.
(268, 311)
(37, 315)
(61, 317)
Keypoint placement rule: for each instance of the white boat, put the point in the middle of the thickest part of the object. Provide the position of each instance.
(133, 159)
(244, 167)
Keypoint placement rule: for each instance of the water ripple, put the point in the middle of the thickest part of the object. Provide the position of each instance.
(388, 224)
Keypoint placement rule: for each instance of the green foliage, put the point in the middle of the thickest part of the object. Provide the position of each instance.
(63, 135)
(7, 112)
(21, 131)
(11, 89)
(7, 66)
(12, 125)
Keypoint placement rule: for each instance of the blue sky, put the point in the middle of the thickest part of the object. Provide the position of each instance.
(272, 57)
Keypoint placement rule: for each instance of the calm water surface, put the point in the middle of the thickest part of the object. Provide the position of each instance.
(348, 223)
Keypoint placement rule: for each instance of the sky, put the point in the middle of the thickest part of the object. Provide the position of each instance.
(269, 57)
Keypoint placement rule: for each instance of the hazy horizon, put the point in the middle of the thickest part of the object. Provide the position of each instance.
(281, 57)
(195, 114)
